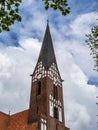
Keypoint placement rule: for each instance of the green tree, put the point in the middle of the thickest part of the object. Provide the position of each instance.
(9, 11)
(92, 41)
(57, 5)
(97, 105)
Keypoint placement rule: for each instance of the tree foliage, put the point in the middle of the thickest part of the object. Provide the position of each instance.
(92, 41)
(9, 11)
(97, 102)
(58, 4)
(97, 105)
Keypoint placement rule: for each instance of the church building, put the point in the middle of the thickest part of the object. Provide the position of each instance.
(46, 109)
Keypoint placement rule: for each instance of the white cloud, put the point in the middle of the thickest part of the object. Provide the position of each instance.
(78, 115)
(5, 63)
(16, 64)
(72, 38)
(81, 25)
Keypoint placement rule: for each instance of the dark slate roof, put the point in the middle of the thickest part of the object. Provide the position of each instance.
(47, 55)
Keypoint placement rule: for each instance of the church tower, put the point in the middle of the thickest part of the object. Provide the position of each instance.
(46, 100)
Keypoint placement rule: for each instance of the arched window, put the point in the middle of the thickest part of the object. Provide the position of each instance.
(39, 88)
(55, 92)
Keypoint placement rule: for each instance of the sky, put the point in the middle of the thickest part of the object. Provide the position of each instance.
(19, 51)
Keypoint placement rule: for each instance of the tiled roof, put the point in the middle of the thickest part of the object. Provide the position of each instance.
(18, 121)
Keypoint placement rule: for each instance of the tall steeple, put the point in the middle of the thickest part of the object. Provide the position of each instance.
(47, 60)
(46, 100)
(47, 55)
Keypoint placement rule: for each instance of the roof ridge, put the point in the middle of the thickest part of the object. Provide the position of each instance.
(20, 112)
(4, 113)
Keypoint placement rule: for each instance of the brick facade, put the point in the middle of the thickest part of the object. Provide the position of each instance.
(18, 121)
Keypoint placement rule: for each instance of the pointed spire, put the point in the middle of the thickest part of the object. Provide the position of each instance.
(47, 55)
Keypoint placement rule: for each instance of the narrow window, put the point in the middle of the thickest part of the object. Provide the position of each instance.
(39, 88)
(43, 124)
(51, 108)
(55, 92)
(56, 112)
(60, 114)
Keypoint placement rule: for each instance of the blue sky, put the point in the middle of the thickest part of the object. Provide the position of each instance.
(19, 50)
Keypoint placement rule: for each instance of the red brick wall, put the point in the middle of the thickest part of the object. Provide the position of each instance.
(19, 121)
(3, 120)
